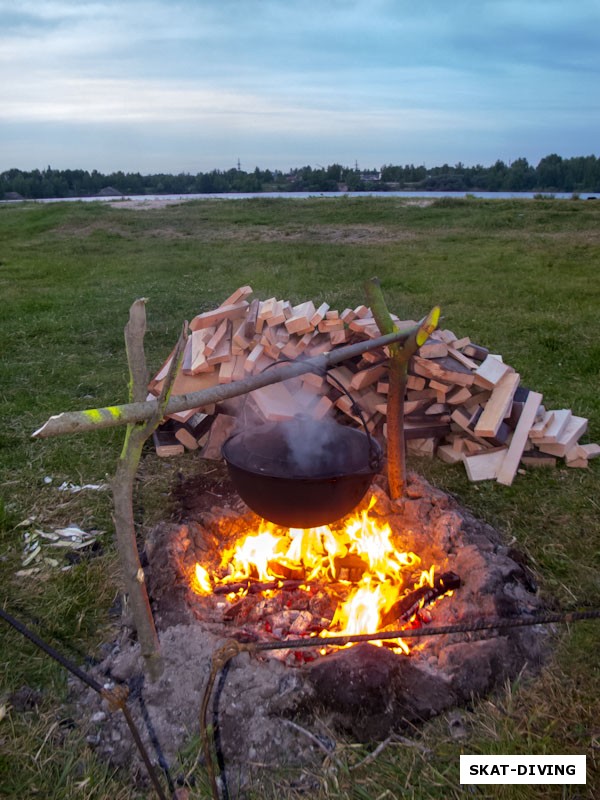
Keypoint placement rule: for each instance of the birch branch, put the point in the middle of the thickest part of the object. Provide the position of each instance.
(129, 413)
(123, 482)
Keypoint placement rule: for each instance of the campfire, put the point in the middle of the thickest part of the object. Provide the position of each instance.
(217, 571)
(344, 579)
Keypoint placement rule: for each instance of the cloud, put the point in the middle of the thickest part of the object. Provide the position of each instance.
(370, 76)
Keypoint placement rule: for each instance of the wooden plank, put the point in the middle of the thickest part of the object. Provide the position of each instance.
(415, 382)
(591, 450)
(498, 405)
(433, 349)
(484, 466)
(455, 353)
(190, 432)
(447, 336)
(376, 356)
(438, 370)
(457, 396)
(221, 429)
(275, 402)
(510, 463)
(448, 454)
(345, 404)
(238, 372)
(366, 377)
(533, 458)
(161, 374)
(578, 463)
(240, 294)
(292, 348)
(368, 400)
(186, 362)
(185, 384)
(226, 370)
(343, 374)
(439, 387)
(476, 351)
(251, 318)
(458, 344)
(197, 361)
(576, 453)
(214, 317)
(421, 447)
(314, 379)
(557, 426)
(184, 416)
(215, 340)
(472, 446)
(322, 408)
(222, 352)
(436, 409)
(575, 428)
(252, 359)
(319, 314)
(277, 316)
(330, 325)
(238, 337)
(411, 406)
(425, 429)
(489, 372)
(422, 394)
(339, 337)
(539, 428)
(165, 443)
(299, 324)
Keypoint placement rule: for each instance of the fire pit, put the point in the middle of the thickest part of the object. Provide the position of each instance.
(210, 578)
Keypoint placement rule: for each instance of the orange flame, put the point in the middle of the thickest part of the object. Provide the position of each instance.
(359, 556)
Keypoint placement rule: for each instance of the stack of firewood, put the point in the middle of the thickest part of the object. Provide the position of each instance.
(462, 403)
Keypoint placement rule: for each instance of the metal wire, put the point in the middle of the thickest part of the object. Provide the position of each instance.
(461, 627)
(232, 647)
(116, 698)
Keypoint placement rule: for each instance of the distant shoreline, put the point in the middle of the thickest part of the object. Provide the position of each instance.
(150, 201)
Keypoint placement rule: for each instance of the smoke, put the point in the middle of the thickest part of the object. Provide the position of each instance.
(314, 447)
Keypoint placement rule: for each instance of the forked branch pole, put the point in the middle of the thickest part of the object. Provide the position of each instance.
(122, 486)
(399, 357)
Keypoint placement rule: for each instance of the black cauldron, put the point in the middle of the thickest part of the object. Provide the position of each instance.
(301, 473)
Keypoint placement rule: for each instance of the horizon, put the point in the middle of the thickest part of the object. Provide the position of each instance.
(264, 168)
(185, 87)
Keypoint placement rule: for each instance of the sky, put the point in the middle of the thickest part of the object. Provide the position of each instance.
(194, 85)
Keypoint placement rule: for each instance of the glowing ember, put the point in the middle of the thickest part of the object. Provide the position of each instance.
(357, 564)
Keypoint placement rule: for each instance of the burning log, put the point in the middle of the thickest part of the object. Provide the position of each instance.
(407, 606)
(253, 586)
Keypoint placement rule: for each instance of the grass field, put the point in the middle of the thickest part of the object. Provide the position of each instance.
(520, 277)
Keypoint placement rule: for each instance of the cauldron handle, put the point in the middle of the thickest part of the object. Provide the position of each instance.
(374, 455)
(374, 458)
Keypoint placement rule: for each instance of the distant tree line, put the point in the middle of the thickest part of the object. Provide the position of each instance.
(552, 174)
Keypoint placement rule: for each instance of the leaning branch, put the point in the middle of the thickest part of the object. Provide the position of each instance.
(400, 355)
(131, 413)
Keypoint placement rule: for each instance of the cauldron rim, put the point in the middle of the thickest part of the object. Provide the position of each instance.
(372, 450)
(309, 500)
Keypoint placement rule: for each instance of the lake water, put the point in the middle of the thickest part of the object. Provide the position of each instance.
(305, 195)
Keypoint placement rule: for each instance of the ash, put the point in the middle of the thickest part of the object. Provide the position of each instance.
(365, 692)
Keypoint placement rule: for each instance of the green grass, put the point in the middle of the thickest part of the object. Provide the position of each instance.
(520, 277)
